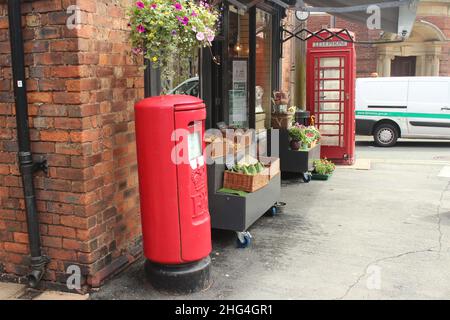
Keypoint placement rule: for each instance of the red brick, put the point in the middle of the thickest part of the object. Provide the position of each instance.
(52, 242)
(59, 231)
(39, 97)
(16, 247)
(54, 135)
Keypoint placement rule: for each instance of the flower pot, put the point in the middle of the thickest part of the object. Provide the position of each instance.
(296, 145)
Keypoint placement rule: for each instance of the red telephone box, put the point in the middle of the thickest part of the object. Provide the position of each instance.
(173, 190)
(331, 74)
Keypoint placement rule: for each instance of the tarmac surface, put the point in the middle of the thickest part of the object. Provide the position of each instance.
(382, 233)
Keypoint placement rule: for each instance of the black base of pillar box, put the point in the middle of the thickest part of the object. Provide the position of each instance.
(179, 279)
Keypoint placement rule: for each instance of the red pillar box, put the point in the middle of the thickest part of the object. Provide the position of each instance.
(331, 73)
(173, 190)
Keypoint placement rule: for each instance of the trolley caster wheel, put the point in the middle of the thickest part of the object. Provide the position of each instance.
(306, 177)
(244, 239)
(272, 212)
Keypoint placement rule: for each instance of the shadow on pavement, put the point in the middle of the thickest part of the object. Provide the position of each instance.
(408, 144)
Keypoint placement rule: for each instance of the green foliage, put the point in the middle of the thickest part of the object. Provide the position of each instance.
(324, 167)
(249, 170)
(165, 31)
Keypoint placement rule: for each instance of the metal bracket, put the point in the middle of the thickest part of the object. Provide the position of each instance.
(41, 165)
(331, 34)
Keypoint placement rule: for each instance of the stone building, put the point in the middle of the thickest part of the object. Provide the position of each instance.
(425, 53)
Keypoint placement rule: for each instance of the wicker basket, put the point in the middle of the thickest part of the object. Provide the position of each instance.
(282, 120)
(243, 182)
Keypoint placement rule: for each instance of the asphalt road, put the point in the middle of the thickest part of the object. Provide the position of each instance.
(381, 233)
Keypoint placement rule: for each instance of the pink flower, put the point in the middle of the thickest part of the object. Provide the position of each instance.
(140, 5)
(141, 28)
(210, 37)
(137, 51)
(154, 6)
(200, 36)
(178, 6)
(194, 14)
(184, 20)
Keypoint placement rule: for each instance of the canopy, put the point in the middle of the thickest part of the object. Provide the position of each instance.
(396, 17)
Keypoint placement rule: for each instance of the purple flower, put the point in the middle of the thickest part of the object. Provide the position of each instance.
(200, 36)
(184, 20)
(174, 32)
(137, 51)
(141, 28)
(140, 5)
(194, 14)
(178, 6)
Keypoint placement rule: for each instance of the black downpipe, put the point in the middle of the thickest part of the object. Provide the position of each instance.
(27, 166)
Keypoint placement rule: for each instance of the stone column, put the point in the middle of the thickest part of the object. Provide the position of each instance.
(384, 65)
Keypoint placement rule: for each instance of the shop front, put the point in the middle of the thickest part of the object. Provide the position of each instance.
(238, 86)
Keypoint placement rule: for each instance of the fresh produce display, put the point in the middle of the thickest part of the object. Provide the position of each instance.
(250, 170)
(303, 137)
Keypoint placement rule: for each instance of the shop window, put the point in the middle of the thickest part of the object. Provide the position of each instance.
(238, 73)
(263, 107)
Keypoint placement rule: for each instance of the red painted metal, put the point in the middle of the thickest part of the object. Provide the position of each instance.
(173, 185)
(331, 75)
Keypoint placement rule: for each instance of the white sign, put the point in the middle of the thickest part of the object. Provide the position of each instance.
(327, 44)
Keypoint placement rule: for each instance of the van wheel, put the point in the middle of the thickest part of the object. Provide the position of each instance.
(386, 135)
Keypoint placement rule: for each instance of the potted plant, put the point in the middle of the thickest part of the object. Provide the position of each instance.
(164, 31)
(323, 169)
(297, 135)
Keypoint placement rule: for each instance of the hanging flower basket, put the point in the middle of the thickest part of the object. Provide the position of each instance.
(166, 30)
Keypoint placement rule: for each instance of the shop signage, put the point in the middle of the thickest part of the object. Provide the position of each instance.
(327, 44)
(238, 94)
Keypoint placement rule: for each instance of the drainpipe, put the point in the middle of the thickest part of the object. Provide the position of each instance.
(27, 166)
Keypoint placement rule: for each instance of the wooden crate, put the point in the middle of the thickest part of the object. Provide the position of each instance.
(282, 121)
(272, 164)
(243, 182)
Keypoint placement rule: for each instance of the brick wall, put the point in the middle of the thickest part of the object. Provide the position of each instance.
(367, 54)
(82, 86)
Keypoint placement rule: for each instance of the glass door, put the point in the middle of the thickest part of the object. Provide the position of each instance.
(236, 84)
(330, 99)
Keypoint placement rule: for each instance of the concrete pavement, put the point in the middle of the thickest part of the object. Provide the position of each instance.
(378, 230)
(381, 233)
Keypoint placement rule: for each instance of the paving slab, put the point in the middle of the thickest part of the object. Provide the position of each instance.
(55, 295)
(11, 291)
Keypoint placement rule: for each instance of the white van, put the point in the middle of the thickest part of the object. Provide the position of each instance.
(406, 107)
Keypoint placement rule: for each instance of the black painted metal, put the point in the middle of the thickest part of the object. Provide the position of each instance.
(296, 161)
(152, 80)
(27, 165)
(305, 34)
(252, 69)
(233, 212)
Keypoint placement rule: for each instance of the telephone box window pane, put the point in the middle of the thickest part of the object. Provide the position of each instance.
(330, 141)
(329, 129)
(330, 73)
(194, 146)
(329, 85)
(329, 117)
(331, 95)
(329, 62)
(329, 106)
